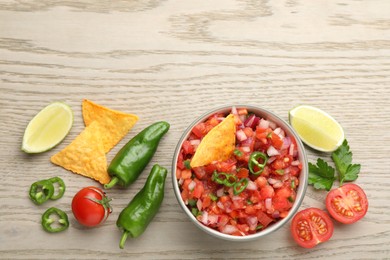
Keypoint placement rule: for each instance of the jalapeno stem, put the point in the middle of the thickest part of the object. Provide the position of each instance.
(122, 242)
(114, 180)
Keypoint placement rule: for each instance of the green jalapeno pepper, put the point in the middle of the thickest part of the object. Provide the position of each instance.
(134, 219)
(224, 178)
(58, 190)
(132, 159)
(57, 223)
(254, 162)
(41, 191)
(240, 186)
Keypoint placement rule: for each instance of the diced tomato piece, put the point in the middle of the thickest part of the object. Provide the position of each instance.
(198, 190)
(206, 201)
(226, 166)
(276, 141)
(248, 131)
(263, 218)
(178, 173)
(188, 148)
(186, 174)
(242, 111)
(180, 162)
(243, 228)
(282, 162)
(243, 173)
(250, 210)
(200, 130)
(185, 195)
(294, 170)
(261, 182)
(200, 172)
(267, 192)
(255, 197)
(186, 183)
(283, 199)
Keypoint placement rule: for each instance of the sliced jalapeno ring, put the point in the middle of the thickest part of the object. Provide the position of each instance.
(54, 220)
(59, 188)
(254, 162)
(240, 186)
(41, 191)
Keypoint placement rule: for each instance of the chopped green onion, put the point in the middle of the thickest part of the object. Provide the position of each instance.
(291, 199)
(280, 172)
(249, 202)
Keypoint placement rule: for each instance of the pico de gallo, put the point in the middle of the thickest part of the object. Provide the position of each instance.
(255, 187)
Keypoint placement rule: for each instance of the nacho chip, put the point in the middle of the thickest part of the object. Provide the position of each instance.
(86, 155)
(116, 124)
(216, 145)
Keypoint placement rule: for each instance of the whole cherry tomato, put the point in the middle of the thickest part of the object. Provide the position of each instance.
(90, 206)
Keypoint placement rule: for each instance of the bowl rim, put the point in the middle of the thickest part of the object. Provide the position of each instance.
(303, 177)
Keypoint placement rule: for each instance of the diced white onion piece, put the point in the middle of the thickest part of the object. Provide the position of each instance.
(252, 222)
(220, 205)
(192, 185)
(234, 111)
(291, 150)
(295, 163)
(195, 142)
(272, 181)
(220, 192)
(213, 219)
(263, 123)
(278, 130)
(199, 204)
(229, 229)
(241, 136)
(286, 142)
(268, 203)
(271, 160)
(271, 151)
(278, 185)
(251, 185)
(272, 125)
(246, 149)
(205, 217)
(181, 181)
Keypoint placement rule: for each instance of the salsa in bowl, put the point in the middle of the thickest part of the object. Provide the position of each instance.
(239, 172)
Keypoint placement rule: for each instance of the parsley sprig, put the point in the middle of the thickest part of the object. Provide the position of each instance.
(322, 175)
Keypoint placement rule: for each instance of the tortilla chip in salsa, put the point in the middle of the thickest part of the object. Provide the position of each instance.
(216, 145)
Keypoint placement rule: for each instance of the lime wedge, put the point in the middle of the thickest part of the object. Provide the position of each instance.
(48, 128)
(316, 128)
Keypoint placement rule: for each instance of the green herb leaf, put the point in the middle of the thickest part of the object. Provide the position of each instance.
(342, 158)
(321, 176)
(237, 152)
(187, 164)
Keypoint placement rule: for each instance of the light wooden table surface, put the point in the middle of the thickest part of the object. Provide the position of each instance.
(174, 60)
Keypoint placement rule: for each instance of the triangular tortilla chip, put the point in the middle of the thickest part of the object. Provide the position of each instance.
(216, 145)
(85, 155)
(116, 123)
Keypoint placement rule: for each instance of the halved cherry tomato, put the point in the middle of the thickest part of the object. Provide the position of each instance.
(347, 204)
(311, 226)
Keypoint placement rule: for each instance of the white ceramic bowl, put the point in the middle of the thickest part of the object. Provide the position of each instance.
(303, 177)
